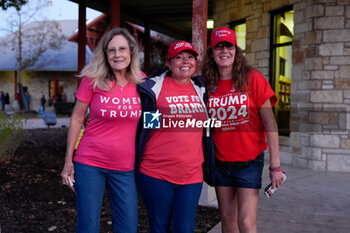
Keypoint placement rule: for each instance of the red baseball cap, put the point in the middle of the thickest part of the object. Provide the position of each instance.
(223, 34)
(178, 47)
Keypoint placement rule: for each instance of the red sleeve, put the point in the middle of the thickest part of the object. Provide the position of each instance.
(261, 89)
(84, 92)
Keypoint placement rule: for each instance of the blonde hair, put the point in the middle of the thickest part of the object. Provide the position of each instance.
(98, 68)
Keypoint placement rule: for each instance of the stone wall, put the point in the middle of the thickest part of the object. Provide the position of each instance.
(257, 16)
(320, 87)
(320, 124)
(6, 83)
(38, 84)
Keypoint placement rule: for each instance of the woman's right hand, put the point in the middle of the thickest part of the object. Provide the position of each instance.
(76, 122)
(68, 171)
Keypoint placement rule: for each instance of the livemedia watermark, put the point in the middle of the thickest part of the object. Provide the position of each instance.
(157, 120)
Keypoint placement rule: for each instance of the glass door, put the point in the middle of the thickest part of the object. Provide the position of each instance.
(281, 64)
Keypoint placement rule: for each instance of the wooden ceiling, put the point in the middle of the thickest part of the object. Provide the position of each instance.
(171, 17)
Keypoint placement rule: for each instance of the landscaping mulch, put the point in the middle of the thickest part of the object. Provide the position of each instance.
(33, 199)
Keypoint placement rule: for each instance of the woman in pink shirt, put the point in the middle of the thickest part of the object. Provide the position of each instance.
(106, 153)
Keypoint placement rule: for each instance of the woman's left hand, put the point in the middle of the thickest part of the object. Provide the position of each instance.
(276, 178)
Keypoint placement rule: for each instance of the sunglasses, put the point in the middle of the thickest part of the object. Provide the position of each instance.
(222, 45)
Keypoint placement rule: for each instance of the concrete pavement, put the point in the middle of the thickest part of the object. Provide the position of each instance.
(308, 201)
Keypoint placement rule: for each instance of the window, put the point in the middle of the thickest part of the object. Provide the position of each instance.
(56, 91)
(281, 64)
(240, 29)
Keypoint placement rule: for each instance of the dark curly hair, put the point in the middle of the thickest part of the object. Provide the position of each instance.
(241, 69)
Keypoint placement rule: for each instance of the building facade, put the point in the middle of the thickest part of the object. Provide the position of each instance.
(303, 48)
(38, 83)
(53, 75)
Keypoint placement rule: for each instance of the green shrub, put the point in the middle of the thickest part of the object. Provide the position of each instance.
(10, 134)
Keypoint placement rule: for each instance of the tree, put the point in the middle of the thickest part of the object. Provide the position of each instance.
(30, 40)
(5, 4)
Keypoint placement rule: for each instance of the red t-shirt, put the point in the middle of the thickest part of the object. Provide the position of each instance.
(242, 133)
(175, 153)
(109, 138)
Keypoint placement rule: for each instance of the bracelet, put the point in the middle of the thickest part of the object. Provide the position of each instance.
(276, 169)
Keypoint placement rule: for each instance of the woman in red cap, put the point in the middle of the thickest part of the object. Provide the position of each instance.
(242, 99)
(170, 143)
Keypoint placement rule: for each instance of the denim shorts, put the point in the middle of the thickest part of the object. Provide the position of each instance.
(240, 174)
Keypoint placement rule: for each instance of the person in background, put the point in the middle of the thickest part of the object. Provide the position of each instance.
(7, 101)
(17, 103)
(43, 102)
(50, 107)
(27, 99)
(105, 156)
(64, 97)
(53, 98)
(170, 159)
(2, 101)
(242, 99)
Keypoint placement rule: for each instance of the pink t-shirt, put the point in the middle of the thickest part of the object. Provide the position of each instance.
(175, 153)
(109, 138)
(242, 133)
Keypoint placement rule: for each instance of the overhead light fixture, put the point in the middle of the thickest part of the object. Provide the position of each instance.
(210, 24)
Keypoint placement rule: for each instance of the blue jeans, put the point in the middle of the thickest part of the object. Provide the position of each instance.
(165, 200)
(90, 184)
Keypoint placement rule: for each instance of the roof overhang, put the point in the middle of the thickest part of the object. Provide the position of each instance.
(171, 17)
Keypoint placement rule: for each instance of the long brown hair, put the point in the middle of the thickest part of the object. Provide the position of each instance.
(240, 77)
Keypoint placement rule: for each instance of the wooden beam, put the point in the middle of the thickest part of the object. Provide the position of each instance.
(199, 26)
(115, 13)
(82, 36)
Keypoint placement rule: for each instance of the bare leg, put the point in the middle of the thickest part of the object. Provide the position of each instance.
(228, 208)
(247, 209)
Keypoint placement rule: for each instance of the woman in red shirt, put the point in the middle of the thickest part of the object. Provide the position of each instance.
(242, 99)
(170, 155)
